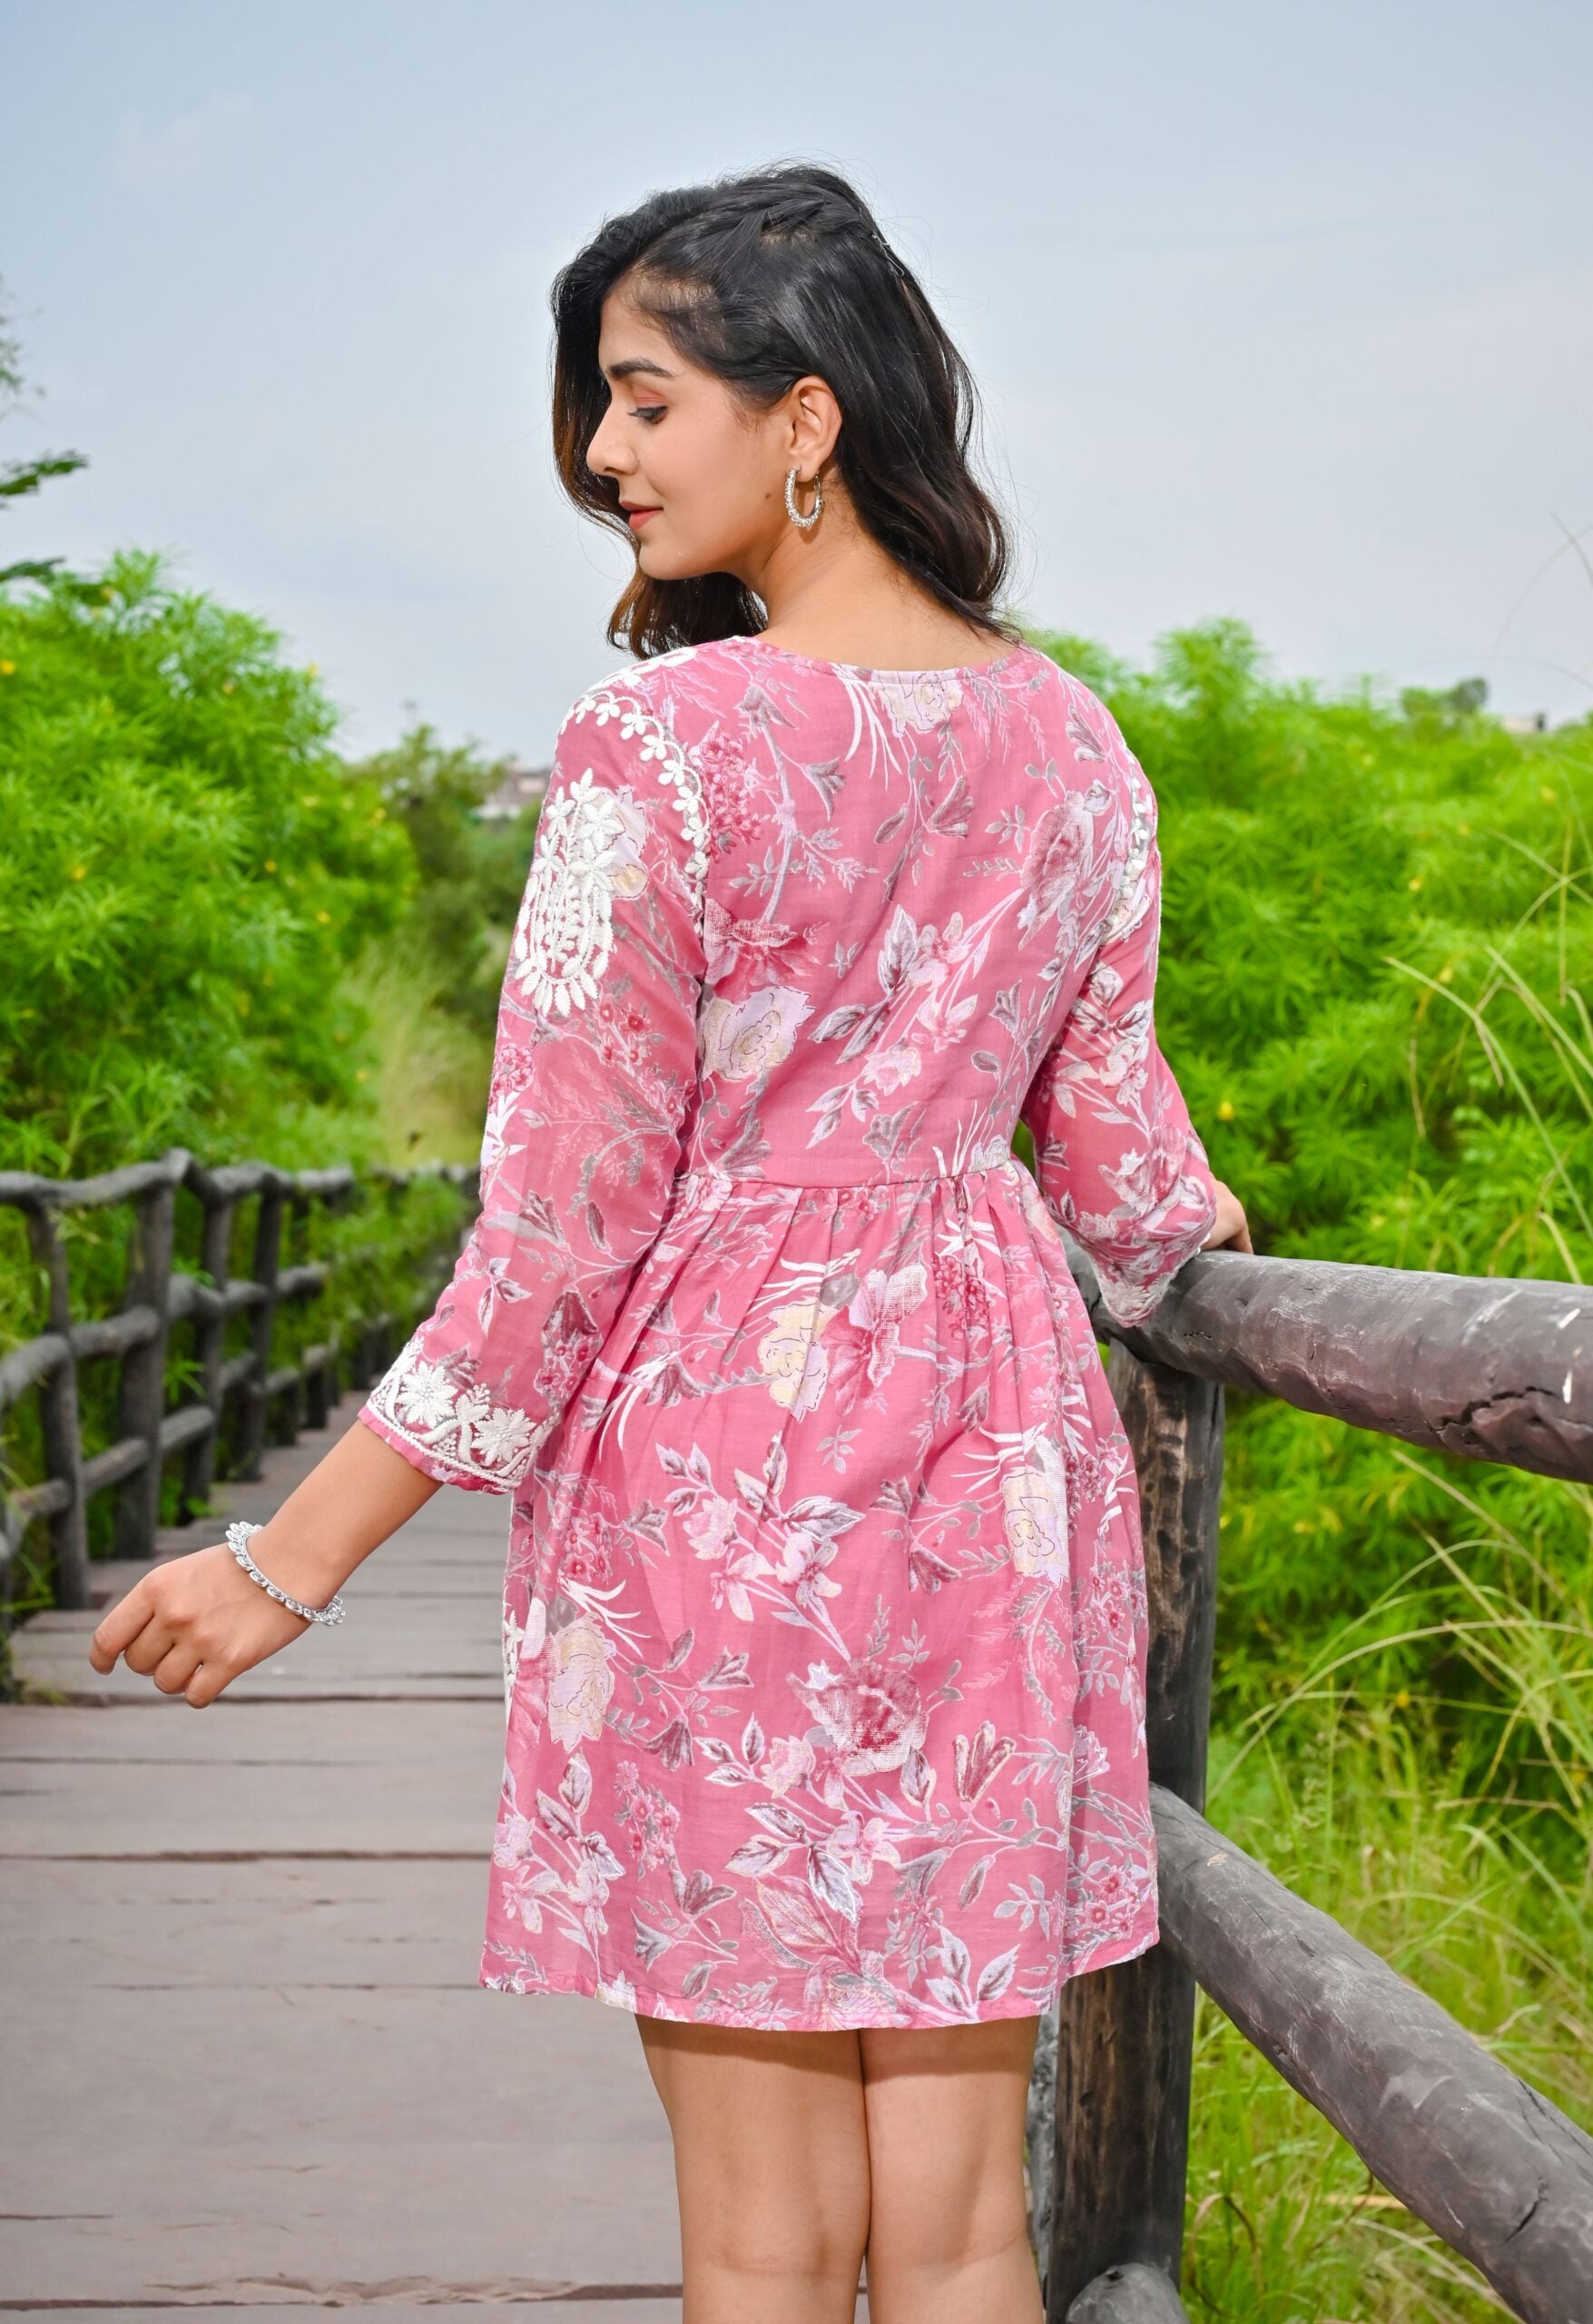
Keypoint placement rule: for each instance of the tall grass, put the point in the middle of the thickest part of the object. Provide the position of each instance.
(1536, 995)
(431, 1068)
(1450, 1825)
(1477, 1888)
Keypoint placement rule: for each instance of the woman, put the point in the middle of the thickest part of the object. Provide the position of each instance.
(824, 1613)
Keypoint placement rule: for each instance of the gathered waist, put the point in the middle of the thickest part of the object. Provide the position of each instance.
(712, 1177)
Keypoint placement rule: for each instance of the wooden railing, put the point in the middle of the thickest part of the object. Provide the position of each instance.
(1494, 1370)
(241, 1396)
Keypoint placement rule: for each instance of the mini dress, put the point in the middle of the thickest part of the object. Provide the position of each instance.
(824, 1605)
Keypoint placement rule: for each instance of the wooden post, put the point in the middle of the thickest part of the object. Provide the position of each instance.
(210, 1337)
(1125, 2037)
(143, 1370)
(58, 1414)
(298, 1238)
(1128, 2295)
(321, 1383)
(268, 1260)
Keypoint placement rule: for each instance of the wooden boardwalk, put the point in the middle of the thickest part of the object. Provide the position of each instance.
(248, 2064)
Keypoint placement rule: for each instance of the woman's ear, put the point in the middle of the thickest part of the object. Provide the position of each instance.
(815, 424)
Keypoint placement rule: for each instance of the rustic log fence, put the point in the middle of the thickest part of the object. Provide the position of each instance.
(1494, 1370)
(239, 1397)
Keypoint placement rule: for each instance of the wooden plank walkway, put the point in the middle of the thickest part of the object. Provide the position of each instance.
(248, 2064)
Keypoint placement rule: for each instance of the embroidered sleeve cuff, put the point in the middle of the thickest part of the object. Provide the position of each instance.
(449, 1427)
(442, 1472)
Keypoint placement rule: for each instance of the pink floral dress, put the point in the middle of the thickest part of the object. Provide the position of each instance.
(824, 1615)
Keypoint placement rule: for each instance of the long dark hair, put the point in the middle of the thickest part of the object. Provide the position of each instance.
(761, 280)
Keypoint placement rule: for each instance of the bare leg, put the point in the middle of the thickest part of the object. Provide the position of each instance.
(771, 2170)
(949, 2233)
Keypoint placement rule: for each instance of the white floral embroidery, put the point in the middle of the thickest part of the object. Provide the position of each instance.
(588, 852)
(565, 932)
(1128, 906)
(658, 748)
(454, 1422)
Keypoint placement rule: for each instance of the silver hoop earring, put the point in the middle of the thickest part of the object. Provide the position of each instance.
(793, 512)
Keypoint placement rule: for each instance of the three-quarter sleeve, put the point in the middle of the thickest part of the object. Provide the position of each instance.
(594, 1072)
(1118, 1157)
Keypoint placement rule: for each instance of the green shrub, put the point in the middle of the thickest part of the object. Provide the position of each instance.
(1378, 942)
(190, 874)
(470, 872)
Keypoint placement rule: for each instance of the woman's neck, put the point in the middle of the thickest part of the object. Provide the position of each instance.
(835, 593)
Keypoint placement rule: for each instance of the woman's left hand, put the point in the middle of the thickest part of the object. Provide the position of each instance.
(1230, 1228)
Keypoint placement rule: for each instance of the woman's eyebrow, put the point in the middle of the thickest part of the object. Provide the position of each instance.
(632, 365)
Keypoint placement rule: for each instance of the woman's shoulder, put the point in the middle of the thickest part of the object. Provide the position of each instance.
(627, 712)
(625, 736)
(1089, 735)
(653, 684)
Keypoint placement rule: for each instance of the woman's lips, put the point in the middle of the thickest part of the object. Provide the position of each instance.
(636, 518)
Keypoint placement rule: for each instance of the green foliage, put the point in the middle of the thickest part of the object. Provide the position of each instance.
(1378, 942)
(190, 874)
(432, 1067)
(1309, 845)
(471, 874)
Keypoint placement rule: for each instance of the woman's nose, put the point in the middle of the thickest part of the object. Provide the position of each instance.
(606, 454)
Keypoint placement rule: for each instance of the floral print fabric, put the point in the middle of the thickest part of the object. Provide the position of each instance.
(825, 1611)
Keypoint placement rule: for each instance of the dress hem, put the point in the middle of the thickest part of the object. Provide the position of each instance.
(645, 2002)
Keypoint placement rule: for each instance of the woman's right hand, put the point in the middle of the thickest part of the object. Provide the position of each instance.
(1230, 1227)
(193, 1624)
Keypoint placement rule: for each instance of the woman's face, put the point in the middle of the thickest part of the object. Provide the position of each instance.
(701, 474)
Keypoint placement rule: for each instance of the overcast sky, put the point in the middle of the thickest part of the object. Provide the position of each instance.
(1284, 311)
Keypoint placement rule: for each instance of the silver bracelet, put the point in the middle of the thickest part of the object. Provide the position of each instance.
(238, 1542)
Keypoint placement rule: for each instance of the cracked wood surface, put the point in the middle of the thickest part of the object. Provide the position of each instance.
(249, 2066)
(1485, 1366)
(1500, 2173)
